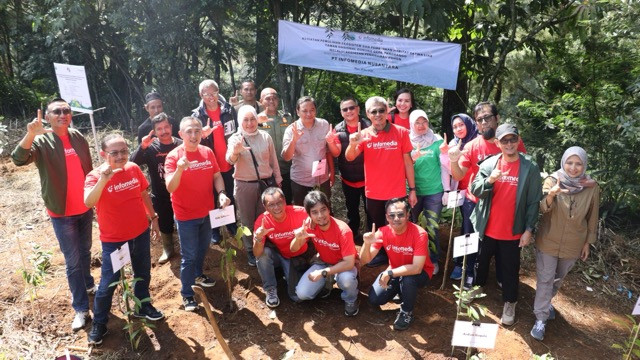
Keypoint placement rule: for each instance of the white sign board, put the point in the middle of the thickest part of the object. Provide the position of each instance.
(466, 334)
(74, 89)
(456, 198)
(421, 62)
(465, 245)
(319, 168)
(636, 309)
(120, 257)
(219, 217)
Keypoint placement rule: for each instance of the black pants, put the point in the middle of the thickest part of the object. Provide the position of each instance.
(165, 214)
(376, 211)
(509, 265)
(286, 188)
(300, 191)
(352, 198)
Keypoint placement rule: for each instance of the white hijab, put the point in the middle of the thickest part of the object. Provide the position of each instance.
(242, 112)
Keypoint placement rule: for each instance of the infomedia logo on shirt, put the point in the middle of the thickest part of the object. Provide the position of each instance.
(200, 165)
(405, 250)
(123, 186)
(282, 235)
(69, 152)
(383, 145)
(324, 242)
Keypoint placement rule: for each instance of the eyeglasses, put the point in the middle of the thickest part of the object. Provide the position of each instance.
(484, 119)
(375, 112)
(348, 108)
(274, 205)
(510, 139)
(397, 215)
(213, 94)
(59, 111)
(115, 153)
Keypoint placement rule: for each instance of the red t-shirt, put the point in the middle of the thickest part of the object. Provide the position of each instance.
(353, 184)
(121, 212)
(193, 199)
(384, 171)
(75, 182)
(219, 143)
(478, 150)
(334, 244)
(282, 235)
(400, 121)
(503, 202)
(402, 248)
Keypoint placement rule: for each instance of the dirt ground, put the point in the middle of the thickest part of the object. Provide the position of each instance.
(317, 329)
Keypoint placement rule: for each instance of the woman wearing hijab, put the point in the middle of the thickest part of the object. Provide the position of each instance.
(568, 227)
(430, 176)
(252, 152)
(464, 130)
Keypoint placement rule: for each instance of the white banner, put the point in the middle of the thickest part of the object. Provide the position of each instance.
(74, 89)
(415, 61)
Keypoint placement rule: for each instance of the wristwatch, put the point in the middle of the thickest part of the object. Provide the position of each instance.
(324, 273)
(222, 192)
(412, 189)
(390, 273)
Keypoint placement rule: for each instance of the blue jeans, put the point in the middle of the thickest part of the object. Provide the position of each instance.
(139, 248)
(74, 236)
(432, 203)
(347, 281)
(467, 228)
(267, 263)
(406, 286)
(194, 237)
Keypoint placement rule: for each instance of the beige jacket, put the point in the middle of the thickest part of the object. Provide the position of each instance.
(265, 153)
(569, 222)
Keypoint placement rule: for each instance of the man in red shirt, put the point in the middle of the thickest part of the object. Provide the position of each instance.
(119, 191)
(219, 121)
(509, 188)
(409, 266)
(465, 164)
(336, 257)
(388, 166)
(274, 231)
(191, 173)
(63, 159)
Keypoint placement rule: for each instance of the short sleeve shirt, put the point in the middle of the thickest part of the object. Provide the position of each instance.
(193, 199)
(311, 147)
(334, 244)
(503, 202)
(282, 235)
(121, 212)
(75, 181)
(402, 248)
(275, 127)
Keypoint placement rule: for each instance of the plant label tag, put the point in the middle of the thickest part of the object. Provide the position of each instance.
(219, 217)
(120, 257)
(456, 198)
(466, 334)
(636, 309)
(465, 244)
(319, 168)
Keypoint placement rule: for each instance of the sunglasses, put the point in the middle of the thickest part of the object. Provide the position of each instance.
(375, 112)
(115, 153)
(397, 215)
(348, 108)
(510, 139)
(484, 119)
(59, 111)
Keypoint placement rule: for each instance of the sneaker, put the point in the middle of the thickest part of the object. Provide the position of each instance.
(397, 299)
(468, 283)
(205, 281)
(92, 290)
(80, 320)
(272, 300)
(403, 320)
(436, 269)
(351, 309)
(538, 330)
(148, 312)
(552, 313)
(252, 261)
(456, 274)
(509, 313)
(189, 303)
(98, 331)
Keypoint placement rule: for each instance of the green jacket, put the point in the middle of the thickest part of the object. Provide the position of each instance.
(47, 151)
(528, 195)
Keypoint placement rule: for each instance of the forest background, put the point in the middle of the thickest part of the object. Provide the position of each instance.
(566, 72)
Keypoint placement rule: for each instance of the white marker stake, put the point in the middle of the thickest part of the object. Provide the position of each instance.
(456, 198)
(319, 168)
(465, 244)
(120, 257)
(636, 309)
(479, 335)
(220, 217)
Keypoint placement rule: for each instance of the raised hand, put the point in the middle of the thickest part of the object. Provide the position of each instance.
(262, 118)
(556, 189)
(233, 100)
(356, 137)
(297, 133)
(147, 140)
(106, 172)
(262, 232)
(456, 152)
(331, 135)
(184, 163)
(35, 127)
(207, 130)
(303, 231)
(444, 147)
(239, 147)
(496, 174)
(369, 238)
(417, 153)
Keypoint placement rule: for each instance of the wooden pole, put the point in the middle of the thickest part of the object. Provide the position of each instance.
(198, 290)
